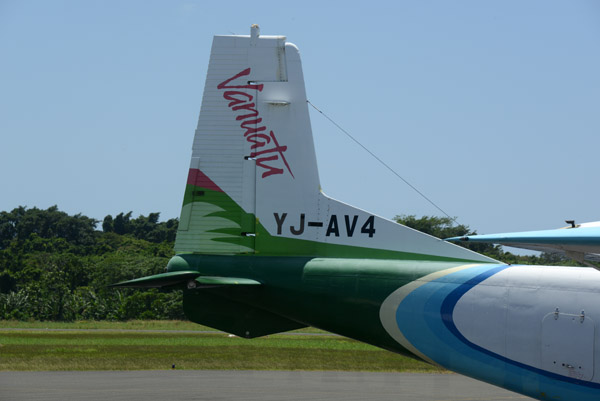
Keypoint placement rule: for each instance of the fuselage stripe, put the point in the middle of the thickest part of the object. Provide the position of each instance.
(447, 310)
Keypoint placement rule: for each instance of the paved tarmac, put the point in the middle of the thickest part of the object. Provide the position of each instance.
(245, 385)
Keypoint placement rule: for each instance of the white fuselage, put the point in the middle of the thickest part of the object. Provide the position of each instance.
(531, 329)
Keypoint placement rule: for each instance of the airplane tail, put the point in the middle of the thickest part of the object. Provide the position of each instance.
(253, 185)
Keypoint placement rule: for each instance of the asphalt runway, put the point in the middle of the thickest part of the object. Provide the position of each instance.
(221, 385)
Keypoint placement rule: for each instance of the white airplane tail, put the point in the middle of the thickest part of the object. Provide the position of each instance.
(253, 184)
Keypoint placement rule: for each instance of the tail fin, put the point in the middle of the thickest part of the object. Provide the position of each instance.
(253, 184)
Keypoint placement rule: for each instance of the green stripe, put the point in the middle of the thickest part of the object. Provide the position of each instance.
(269, 245)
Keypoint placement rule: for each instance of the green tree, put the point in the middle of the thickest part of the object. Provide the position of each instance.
(54, 266)
(107, 224)
(446, 227)
(143, 227)
(122, 224)
(21, 223)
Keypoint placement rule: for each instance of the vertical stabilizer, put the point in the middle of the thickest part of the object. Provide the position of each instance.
(253, 184)
(238, 143)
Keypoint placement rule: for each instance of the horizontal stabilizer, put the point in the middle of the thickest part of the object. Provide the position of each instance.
(191, 279)
(159, 280)
(213, 280)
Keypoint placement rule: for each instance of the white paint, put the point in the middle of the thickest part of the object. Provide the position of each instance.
(568, 345)
(505, 313)
(221, 143)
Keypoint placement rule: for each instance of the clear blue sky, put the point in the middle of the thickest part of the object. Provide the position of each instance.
(492, 109)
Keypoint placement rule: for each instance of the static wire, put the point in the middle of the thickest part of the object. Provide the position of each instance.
(382, 162)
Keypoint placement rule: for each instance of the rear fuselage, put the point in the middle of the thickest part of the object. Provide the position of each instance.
(530, 329)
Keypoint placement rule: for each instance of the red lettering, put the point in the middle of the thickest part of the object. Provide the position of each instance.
(282, 156)
(249, 107)
(278, 148)
(270, 170)
(230, 95)
(252, 130)
(239, 100)
(257, 143)
(223, 85)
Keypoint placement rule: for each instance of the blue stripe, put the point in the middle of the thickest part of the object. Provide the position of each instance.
(425, 319)
(447, 311)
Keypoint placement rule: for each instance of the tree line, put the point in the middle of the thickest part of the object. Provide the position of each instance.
(56, 266)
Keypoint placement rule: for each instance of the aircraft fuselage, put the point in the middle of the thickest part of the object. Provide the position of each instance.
(530, 329)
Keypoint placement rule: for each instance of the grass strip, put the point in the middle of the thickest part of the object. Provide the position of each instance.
(126, 325)
(75, 350)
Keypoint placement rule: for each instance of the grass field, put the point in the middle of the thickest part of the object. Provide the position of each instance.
(97, 346)
(128, 325)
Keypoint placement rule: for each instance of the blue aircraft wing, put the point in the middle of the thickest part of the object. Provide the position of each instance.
(578, 242)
